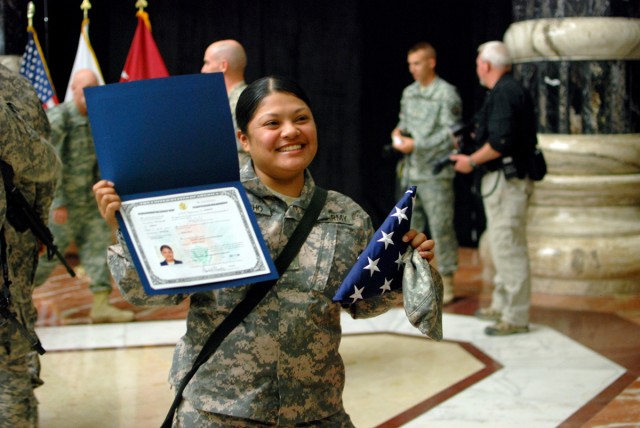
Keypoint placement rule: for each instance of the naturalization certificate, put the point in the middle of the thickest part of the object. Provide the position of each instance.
(193, 238)
(169, 146)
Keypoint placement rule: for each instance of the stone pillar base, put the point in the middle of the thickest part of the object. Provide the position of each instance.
(584, 217)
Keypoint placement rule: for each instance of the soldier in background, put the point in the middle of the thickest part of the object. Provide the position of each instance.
(75, 217)
(429, 107)
(25, 150)
(229, 58)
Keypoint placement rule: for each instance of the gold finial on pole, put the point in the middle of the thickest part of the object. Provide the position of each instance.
(141, 4)
(85, 6)
(31, 11)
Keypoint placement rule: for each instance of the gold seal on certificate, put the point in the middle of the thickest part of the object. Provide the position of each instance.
(193, 238)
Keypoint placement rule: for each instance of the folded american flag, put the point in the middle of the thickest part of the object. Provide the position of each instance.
(380, 266)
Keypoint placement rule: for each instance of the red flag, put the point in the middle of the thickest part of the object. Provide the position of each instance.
(144, 60)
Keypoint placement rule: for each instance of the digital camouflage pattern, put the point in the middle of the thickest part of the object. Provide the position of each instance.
(428, 113)
(435, 204)
(422, 290)
(71, 136)
(234, 95)
(189, 417)
(23, 145)
(281, 364)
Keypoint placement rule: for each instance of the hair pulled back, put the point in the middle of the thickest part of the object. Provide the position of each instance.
(253, 95)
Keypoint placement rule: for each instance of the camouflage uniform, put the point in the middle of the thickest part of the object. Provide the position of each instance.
(234, 94)
(281, 364)
(24, 146)
(71, 135)
(428, 113)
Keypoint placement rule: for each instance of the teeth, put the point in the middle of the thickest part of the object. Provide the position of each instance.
(290, 148)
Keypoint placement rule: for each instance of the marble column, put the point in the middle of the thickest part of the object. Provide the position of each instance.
(584, 219)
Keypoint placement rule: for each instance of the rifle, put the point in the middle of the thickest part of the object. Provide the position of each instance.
(22, 216)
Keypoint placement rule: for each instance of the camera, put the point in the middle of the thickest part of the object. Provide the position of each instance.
(509, 168)
(466, 145)
(389, 152)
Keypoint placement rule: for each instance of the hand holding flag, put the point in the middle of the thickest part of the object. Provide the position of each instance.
(380, 267)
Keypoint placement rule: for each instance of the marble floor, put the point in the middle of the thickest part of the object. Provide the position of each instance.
(578, 367)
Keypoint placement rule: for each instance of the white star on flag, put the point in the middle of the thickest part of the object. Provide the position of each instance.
(387, 285)
(387, 238)
(400, 213)
(399, 261)
(372, 266)
(380, 267)
(357, 294)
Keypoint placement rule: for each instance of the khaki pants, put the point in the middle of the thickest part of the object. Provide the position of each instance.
(505, 204)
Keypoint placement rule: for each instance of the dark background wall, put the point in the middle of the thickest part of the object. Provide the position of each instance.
(350, 56)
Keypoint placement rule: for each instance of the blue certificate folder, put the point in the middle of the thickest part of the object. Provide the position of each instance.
(168, 136)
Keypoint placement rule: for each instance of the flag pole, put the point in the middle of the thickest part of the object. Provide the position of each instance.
(31, 11)
(85, 6)
(141, 4)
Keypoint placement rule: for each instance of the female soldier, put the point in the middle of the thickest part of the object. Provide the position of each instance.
(280, 366)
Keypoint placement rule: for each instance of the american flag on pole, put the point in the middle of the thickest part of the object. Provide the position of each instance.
(34, 68)
(380, 267)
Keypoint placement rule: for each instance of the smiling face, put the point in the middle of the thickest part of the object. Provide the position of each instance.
(167, 253)
(281, 138)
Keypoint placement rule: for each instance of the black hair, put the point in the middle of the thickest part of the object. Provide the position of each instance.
(162, 247)
(253, 95)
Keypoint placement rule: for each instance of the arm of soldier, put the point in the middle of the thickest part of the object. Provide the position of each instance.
(44, 197)
(58, 118)
(118, 255)
(128, 281)
(405, 144)
(24, 149)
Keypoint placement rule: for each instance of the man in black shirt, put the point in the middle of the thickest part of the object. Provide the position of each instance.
(506, 127)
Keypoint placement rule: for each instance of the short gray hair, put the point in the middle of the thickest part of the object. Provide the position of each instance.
(495, 53)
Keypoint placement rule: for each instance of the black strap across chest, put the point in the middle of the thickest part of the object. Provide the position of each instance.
(253, 297)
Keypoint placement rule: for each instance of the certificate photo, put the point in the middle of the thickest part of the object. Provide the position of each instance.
(194, 238)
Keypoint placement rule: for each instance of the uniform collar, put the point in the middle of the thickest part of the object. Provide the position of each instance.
(253, 185)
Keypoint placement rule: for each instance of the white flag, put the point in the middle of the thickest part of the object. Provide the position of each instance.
(85, 58)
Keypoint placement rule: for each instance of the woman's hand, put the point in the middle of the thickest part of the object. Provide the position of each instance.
(421, 243)
(108, 201)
